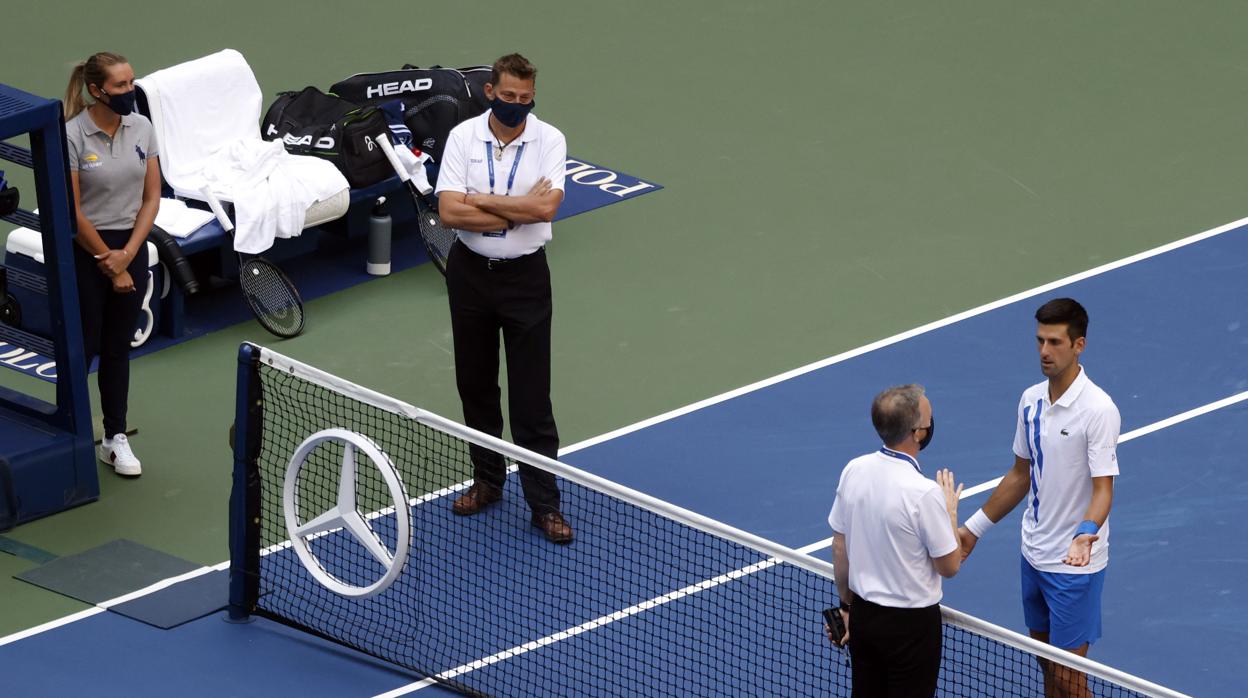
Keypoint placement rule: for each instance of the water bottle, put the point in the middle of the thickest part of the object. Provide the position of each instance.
(379, 239)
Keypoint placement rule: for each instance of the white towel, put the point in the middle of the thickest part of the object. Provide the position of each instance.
(204, 105)
(208, 127)
(271, 189)
(415, 167)
(180, 220)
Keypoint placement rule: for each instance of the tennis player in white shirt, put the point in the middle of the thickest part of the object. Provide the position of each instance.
(1065, 462)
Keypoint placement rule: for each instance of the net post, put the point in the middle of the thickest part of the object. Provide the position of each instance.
(245, 492)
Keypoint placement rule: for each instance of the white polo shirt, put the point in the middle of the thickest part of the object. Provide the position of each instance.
(1068, 442)
(894, 521)
(469, 163)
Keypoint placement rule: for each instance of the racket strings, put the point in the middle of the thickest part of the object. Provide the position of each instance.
(438, 238)
(272, 297)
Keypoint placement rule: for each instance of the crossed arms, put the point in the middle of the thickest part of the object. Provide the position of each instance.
(487, 213)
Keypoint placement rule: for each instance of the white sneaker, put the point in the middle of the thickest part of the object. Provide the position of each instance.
(116, 452)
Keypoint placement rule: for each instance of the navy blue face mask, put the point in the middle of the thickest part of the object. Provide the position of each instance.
(510, 114)
(122, 104)
(927, 439)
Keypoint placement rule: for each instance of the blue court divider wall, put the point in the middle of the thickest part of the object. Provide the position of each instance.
(46, 460)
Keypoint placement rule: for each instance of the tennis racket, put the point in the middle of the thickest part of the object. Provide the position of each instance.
(270, 294)
(437, 237)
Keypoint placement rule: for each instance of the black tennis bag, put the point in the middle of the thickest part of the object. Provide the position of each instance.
(310, 122)
(434, 100)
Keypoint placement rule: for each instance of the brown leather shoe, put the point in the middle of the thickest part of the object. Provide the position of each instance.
(478, 497)
(554, 526)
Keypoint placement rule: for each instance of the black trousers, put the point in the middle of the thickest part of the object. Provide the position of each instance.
(894, 652)
(108, 324)
(511, 296)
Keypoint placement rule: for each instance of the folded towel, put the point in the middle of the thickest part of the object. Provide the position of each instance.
(180, 220)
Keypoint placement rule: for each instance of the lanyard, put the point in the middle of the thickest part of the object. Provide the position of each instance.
(511, 178)
(895, 454)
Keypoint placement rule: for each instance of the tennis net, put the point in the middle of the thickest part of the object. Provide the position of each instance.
(341, 526)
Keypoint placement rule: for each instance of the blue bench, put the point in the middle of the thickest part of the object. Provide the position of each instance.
(211, 237)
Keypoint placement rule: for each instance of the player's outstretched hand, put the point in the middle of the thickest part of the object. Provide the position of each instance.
(967, 540)
(1081, 550)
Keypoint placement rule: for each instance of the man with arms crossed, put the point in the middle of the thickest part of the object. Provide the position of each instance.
(500, 184)
(894, 537)
(1065, 461)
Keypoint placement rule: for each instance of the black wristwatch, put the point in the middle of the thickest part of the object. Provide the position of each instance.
(845, 607)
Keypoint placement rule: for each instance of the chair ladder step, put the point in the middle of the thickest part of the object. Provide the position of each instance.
(24, 218)
(16, 154)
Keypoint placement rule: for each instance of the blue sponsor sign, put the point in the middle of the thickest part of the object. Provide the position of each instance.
(589, 186)
(30, 362)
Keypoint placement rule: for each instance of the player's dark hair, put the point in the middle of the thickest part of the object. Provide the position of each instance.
(513, 64)
(1065, 311)
(895, 413)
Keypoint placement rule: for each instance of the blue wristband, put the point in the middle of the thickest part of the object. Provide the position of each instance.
(1088, 526)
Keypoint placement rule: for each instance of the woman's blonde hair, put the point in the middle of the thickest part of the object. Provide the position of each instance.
(93, 71)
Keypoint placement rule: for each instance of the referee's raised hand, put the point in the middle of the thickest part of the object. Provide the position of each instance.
(944, 478)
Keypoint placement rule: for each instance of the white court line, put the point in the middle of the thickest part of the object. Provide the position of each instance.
(1096, 271)
(592, 624)
(1137, 433)
(105, 605)
(748, 570)
(909, 334)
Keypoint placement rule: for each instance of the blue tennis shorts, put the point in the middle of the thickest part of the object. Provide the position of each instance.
(1066, 606)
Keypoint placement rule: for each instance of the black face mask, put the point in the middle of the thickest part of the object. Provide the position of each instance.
(122, 104)
(931, 429)
(510, 114)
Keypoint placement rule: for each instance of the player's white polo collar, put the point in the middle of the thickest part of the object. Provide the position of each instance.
(1074, 391)
(531, 126)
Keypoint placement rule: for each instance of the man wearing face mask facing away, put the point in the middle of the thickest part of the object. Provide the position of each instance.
(500, 183)
(894, 537)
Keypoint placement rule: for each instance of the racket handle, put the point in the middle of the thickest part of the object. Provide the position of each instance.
(215, 204)
(383, 140)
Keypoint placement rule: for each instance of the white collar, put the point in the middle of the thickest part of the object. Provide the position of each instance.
(1072, 393)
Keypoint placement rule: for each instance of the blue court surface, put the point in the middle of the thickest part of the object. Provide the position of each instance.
(1168, 340)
